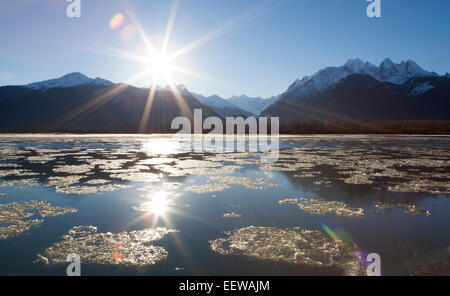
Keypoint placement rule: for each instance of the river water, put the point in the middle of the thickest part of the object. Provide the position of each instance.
(151, 205)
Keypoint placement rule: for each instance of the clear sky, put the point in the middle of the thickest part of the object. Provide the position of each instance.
(252, 47)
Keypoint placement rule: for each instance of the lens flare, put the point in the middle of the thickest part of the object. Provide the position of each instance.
(117, 21)
(128, 33)
(329, 231)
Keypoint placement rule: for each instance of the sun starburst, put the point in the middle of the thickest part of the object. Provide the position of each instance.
(160, 63)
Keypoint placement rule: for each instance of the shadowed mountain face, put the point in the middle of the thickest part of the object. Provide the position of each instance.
(114, 108)
(362, 98)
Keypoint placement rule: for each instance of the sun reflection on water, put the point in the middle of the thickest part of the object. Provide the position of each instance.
(162, 146)
(158, 204)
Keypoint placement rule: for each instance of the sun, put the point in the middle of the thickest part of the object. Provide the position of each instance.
(157, 62)
(161, 64)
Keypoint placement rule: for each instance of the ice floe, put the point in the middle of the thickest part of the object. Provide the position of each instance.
(15, 217)
(134, 248)
(207, 188)
(249, 183)
(321, 207)
(231, 215)
(292, 245)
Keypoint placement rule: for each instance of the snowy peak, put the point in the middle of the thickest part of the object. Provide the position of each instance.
(221, 106)
(387, 71)
(69, 80)
(254, 105)
(387, 64)
(358, 66)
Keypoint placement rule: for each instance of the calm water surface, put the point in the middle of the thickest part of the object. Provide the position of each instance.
(154, 207)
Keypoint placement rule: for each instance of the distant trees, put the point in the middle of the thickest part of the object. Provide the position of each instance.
(378, 127)
(424, 127)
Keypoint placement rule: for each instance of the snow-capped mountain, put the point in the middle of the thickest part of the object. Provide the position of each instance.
(221, 106)
(69, 80)
(360, 91)
(253, 105)
(387, 71)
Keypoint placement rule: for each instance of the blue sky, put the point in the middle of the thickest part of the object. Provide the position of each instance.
(260, 47)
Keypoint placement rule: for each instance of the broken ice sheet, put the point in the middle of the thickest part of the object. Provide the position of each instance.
(288, 201)
(408, 209)
(414, 210)
(409, 169)
(64, 181)
(97, 182)
(23, 182)
(137, 176)
(14, 217)
(74, 169)
(207, 188)
(291, 245)
(249, 183)
(90, 189)
(125, 248)
(185, 167)
(320, 207)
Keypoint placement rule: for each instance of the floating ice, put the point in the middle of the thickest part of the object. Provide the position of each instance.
(249, 183)
(408, 209)
(24, 182)
(231, 215)
(73, 169)
(207, 188)
(398, 168)
(414, 210)
(137, 177)
(125, 248)
(14, 217)
(90, 189)
(97, 182)
(320, 207)
(288, 201)
(292, 245)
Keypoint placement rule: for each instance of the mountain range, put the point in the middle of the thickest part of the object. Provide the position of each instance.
(92, 107)
(360, 91)
(355, 91)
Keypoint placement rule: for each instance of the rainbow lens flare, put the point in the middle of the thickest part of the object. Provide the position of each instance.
(117, 21)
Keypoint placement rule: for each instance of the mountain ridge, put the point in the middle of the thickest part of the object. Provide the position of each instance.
(324, 81)
(68, 80)
(362, 98)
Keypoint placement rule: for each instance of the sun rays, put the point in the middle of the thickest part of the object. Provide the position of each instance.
(159, 62)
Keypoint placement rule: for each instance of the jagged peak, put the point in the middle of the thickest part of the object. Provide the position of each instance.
(387, 71)
(356, 61)
(387, 64)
